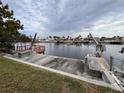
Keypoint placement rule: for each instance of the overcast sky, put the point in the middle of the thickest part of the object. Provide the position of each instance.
(70, 17)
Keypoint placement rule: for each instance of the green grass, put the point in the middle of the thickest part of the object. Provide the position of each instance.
(16, 77)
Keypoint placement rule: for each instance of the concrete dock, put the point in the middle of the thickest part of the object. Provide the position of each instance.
(73, 67)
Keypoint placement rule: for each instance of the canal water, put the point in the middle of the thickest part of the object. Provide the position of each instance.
(80, 51)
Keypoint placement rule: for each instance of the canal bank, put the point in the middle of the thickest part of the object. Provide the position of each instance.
(70, 67)
(24, 78)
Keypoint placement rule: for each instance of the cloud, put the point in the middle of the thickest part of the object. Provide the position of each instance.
(50, 17)
(110, 25)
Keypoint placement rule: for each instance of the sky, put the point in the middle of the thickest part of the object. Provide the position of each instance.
(70, 17)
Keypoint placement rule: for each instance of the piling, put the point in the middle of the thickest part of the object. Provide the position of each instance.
(111, 63)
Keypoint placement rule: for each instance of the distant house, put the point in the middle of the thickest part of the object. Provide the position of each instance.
(122, 40)
(115, 39)
(106, 39)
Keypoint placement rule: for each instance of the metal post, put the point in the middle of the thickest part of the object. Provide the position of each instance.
(33, 40)
(111, 63)
(122, 63)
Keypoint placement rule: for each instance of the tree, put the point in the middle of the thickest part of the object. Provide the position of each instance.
(50, 37)
(9, 27)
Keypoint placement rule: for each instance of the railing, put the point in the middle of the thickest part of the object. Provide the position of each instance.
(22, 48)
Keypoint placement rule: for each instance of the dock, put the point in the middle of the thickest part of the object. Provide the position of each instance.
(100, 64)
(76, 68)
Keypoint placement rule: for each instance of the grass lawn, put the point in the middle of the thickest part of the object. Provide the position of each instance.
(16, 77)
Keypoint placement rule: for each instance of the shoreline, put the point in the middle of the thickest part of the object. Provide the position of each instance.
(112, 43)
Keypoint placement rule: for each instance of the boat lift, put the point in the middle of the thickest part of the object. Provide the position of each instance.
(99, 47)
(97, 64)
(23, 49)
